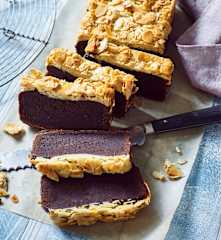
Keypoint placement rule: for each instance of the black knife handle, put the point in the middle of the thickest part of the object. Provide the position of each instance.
(188, 120)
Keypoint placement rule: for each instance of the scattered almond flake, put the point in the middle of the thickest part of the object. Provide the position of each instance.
(100, 10)
(159, 176)
(178, 150)
(172, 170)
(13, 129)
(148, 37)
(103, 45)
(14, 199)
(3, 185)
(182, 161)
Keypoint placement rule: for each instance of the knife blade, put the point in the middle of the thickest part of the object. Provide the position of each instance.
(193, 119)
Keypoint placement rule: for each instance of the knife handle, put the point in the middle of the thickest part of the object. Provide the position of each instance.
(188, 120)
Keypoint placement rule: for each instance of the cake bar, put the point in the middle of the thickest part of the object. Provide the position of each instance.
(140, 24)
(85, 201)
(46, 102)
(154, 73)
(66, 153)
(64, 64)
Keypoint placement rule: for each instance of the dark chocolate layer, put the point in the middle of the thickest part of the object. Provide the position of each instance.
(59, 142)
(73, 192)
(80, 47)
(150, 86)
(43, 112)
(55, 72)
(121, 105)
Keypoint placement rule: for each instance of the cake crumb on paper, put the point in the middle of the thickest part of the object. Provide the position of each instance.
(182, 161)
(172, 170)
(159, 175)
(3, 185)
(13, 129)
(14, 199)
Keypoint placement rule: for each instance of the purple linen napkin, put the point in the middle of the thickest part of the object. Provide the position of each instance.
(200, 46)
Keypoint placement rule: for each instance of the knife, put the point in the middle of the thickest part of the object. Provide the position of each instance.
(193, 119)
(18, 159)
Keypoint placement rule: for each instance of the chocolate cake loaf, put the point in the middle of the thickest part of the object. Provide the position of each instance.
(85, 201)
(64, 64)
(154, 73)
(138, 24)
(50, 103)
(66, 153)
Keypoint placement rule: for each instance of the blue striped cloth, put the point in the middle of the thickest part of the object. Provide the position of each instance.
(198, 215)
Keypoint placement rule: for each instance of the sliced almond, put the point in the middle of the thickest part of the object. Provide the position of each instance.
(172, 170)
(148, 37)
(3, 185)
(14, 199)
(102, 46)
(100, 10)
(13, 129)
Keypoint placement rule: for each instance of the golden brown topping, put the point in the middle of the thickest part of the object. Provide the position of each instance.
(77, 66)
(172, 170)
(13, 129)
(131, 59)
(3, 185)
(14, 199)
(139, 24)
(80, 89)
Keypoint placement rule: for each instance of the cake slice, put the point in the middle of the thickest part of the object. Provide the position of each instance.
(64, 64)
(46, 102)
(138, 24)
(154, 73)
(84, 201)
(66, 153)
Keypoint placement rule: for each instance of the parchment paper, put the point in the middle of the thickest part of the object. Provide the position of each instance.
(153, 222)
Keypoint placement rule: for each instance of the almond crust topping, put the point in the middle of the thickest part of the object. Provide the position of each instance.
(80, 89)
(78, 66)
(138, 24)
(104, 212)
(131, 59)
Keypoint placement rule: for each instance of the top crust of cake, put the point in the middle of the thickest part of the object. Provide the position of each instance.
(76, 65)
(136, 23)
(131, 59)
(81, 89)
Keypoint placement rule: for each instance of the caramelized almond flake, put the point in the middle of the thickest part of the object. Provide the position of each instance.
(13, 129)
(100, 10)
(14, 199)
(3, 185)
(172, 170)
